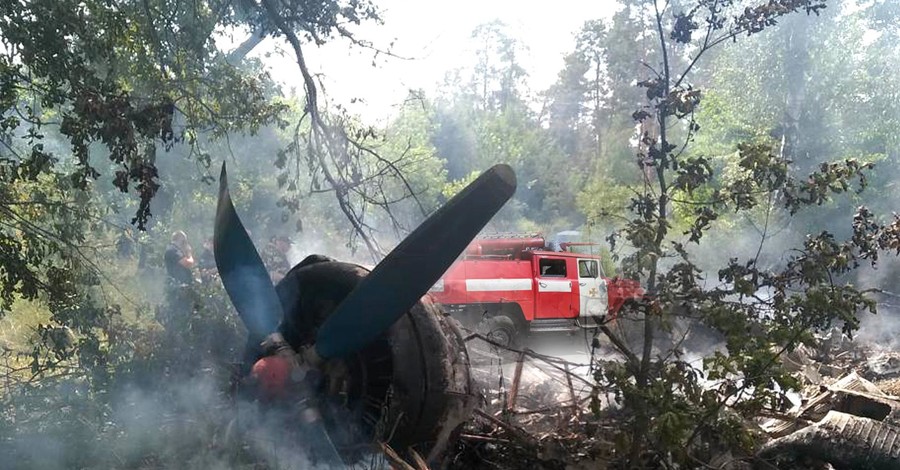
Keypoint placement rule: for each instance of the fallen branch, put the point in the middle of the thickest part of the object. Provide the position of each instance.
(394, 458)
(419, 461)
(495, 440)
(508, 427)
(517, 377)
(546, 410)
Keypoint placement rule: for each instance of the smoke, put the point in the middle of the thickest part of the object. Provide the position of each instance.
(881, 331)
(306, 244)
(879, 334)
(312, 242)
(542, 382)
(168, 400)
(185, 423)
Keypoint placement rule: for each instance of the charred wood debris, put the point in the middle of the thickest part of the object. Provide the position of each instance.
(539, 412)
(533, 411)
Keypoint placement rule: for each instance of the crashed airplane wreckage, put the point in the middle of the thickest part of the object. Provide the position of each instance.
(842, 419)
(850, 424)
(359, 357)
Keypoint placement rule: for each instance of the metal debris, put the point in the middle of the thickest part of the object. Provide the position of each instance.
(844, 420)
(533, 412)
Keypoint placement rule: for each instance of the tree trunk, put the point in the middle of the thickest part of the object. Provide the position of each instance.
(796, 62)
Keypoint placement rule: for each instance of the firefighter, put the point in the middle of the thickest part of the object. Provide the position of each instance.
(179, 261)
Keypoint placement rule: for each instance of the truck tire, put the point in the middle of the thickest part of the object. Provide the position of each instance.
(500, 329)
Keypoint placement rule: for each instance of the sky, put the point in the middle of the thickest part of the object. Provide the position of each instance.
(433, 37)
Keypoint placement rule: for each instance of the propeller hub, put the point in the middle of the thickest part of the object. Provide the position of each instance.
(272, 375)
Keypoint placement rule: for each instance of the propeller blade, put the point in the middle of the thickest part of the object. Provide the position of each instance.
(242, 271)
(401, 278)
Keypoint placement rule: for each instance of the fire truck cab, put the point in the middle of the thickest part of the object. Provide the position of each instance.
(507, 286)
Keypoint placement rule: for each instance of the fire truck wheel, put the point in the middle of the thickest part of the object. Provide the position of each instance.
(500, 329)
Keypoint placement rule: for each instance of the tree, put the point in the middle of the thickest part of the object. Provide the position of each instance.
(484, 117)
(128, 104)
(565, 105)
(669, 414)
(142, 77)
(842, 116)
(497, 74)
(97, 98)
(579, 103)
(92, 94)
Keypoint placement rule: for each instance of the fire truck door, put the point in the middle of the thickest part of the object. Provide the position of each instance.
(592, 288)
(554, 289)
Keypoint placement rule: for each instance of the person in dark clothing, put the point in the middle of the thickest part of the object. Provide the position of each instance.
(179, 260)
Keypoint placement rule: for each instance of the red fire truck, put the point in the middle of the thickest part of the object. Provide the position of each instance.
(508, 286)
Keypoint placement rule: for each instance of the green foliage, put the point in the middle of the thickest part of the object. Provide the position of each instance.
(743, 168)
(113, 110)
(101, 70)
(106, 111)
(451, 188)
(163, 399)
(82, 79)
